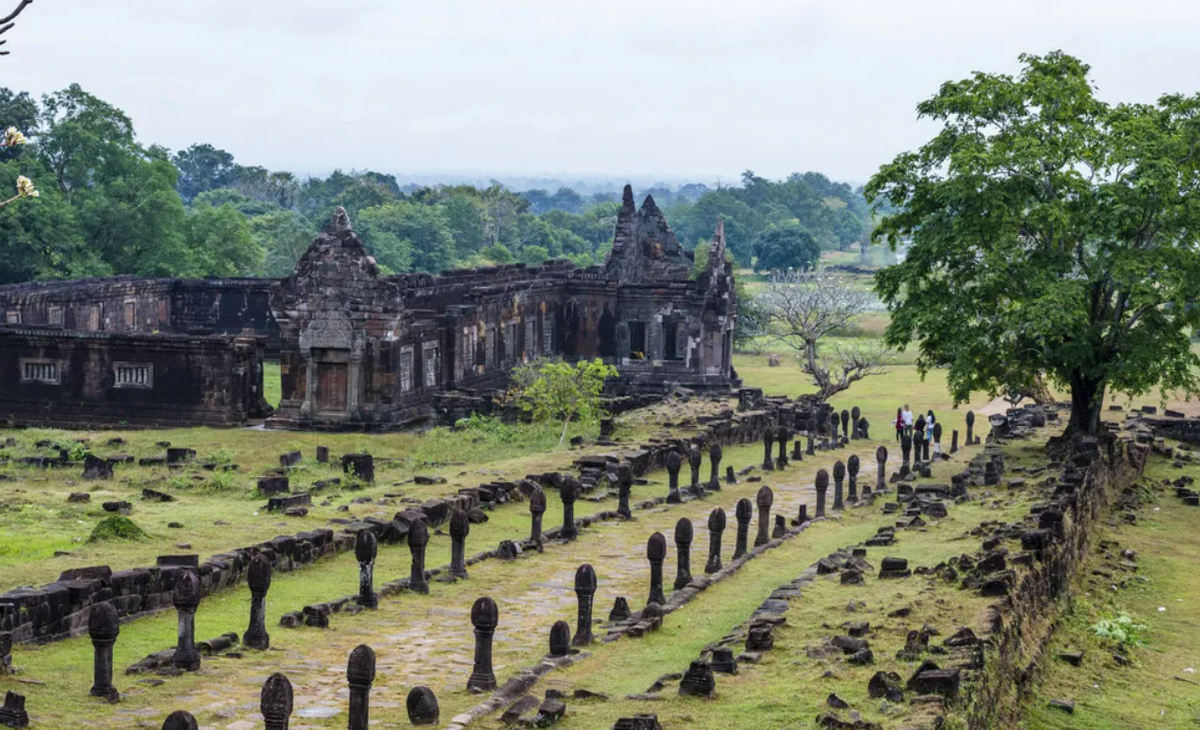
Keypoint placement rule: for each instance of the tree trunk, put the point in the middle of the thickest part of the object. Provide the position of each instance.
(1087, 402)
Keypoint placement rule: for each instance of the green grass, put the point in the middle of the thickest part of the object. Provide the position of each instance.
(272, 385)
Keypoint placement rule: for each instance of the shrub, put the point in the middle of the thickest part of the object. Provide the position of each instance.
(1120, 630)
(117, 528)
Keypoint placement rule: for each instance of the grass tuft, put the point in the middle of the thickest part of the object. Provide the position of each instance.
(117, 528)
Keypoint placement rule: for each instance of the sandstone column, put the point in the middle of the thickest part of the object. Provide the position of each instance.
(683, 548)
(743, 512)
(259, 581)
(103, 626)
(567, 494)
(822, 485)
(585, 591)
(484, 616)
(839, 474)
(418, 538)
(764, 499)
(673, 463)
(460, 527)
(360, 674)
(656, 552)
(365, 549)
(716, 526)
(276, 702)
(187, 599)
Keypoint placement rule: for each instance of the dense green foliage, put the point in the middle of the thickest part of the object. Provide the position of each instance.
(785, 246)
(559, 391)
(116, 528)
(112, 205)
(1048, 232)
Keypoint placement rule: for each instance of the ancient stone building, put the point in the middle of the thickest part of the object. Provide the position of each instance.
(361, 350)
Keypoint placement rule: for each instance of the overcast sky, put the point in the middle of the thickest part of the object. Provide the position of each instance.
(672, 88)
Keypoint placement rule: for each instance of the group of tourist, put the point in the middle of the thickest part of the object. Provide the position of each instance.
(906, 425)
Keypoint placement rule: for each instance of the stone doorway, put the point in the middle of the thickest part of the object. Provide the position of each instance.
(333, 385)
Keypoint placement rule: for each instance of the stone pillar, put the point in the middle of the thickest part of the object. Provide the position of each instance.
(187, 599)
(954, 441)
(855, 415)
(585, 591)
(6, 644)
(881, 456)
(780, 527)
(683, 548)
(537, 507)
(811, 446)
(833, 426)
(743, 512)
(797, 450)
(970, 428)
(803, 516)
(714, 462)
(730, 477)
(906, 443)
(852, 466)
(673, 463)
(422, 706)
(560, 639)
(716, 526)
(781, 436)
(484, 617)
(822, 485)
(259, 581)
(180, 720)
(768, 463)
(937, 440)
(360, 674)
(694, 459)
(276, 702)
(365, 549)
(864, 428)
(839, 474)
(460, 527)
(566, 493)
(103, 626)
(418, 538)
(322, 454)
(624, 487)
(656, 552)
(925, 447)
(764, 500)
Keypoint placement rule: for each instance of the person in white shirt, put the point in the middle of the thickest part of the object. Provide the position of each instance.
(908, 420)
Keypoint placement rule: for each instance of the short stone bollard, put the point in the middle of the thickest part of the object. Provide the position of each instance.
(714, 461)
(360, 675)
(460, 527)
(839, 475)
(730, 477)
(12, 712)
(683, 548)
(624, 487)
(716, 526)
(186, 598)
(694, 461)
(537, 507)
(743, 512)
(954, 441)
(103, 627)
(567, 493)
(258, 578)
(585, 592)
(852, 466)
(365, 549)
(422, 706)
(764, 500)
(180, 720)
(322, 454)
(881, 457)
(485, 616)
(781, 436)
(275, 702)
(560, 639)
(620, 610)
(768, 463)
(418, 538)
(674, 462)
(656, 553)
(822, 486)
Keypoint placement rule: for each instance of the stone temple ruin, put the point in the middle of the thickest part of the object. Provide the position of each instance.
(358, 349)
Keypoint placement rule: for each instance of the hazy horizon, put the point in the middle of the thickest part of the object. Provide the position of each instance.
(641, 91)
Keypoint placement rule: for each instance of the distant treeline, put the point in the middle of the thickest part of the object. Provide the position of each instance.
(111, 205)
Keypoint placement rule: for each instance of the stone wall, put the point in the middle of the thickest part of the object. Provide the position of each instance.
(77, 379)
(131, 304)
(1093, 471)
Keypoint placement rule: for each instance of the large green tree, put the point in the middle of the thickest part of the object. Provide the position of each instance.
(1047, 232)
(785, 246)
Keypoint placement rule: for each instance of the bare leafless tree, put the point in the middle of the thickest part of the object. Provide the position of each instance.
(8, 21)
(800, 309)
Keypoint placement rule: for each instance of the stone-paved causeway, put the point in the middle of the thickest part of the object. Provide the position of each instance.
(751, 562)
